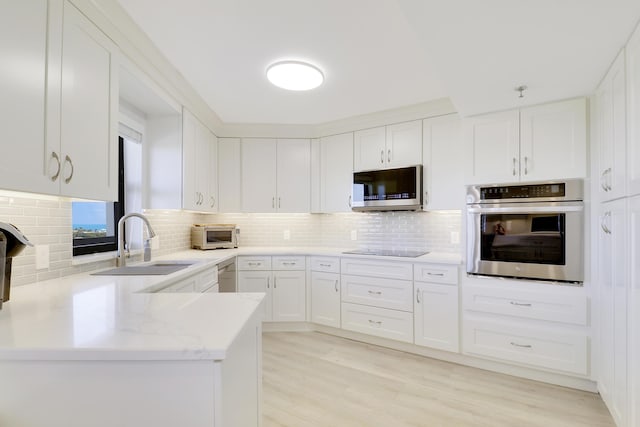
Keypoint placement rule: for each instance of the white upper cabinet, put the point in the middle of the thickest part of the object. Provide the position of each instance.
(293, 175)
(611, 118)
(276, 175)
(390, 146)
(492, 142)
(199, 165)
(59, 101)
(88, 147)
(443, 170)
(23, 44)
(633, 114)
(336, 173)
(230, 181)
(531, 144)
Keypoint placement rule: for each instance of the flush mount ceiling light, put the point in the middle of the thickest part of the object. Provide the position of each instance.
(294, 75)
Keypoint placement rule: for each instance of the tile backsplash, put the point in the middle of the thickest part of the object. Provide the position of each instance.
(47, 221)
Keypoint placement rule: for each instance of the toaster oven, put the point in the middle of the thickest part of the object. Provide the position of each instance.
(214, 236)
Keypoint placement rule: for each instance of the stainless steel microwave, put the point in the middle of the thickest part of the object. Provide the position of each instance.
(397, 189)
(214, 236)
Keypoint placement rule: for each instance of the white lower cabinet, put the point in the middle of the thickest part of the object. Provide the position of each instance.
(205, 281)
(377, 298)
(435, 308)
(381, 322)
(325, 291)
(284, 286)
(535, 325)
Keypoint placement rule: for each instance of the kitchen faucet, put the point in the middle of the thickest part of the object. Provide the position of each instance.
(120, 256)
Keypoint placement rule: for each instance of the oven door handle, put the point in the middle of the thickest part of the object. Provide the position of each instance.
(524, 209)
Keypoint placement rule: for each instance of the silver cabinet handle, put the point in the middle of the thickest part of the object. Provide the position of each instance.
(435, 274)
(514, 166)
(602, 224)
(607, 181)
(426, 198)
(381, 156)
(278, 202)
(67, 159)
(325, 265)
(375, 292)
(336, 285)
(526, 165)
(213, 201)
(515, 344)
(418, 296)
(602, 178)
(605, 226)
(251, 264)
(273, 202)
(520, 304)
(289, 263)
(375, 322)
(55, 157)
(268, 281)
(389, 156)
(349, 200)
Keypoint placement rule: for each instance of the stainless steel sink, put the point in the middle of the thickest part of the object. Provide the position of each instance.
(160, 268)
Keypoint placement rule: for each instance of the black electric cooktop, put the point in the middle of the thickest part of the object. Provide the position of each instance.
(387, 252)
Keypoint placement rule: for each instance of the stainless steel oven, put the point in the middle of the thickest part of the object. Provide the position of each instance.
(530, 231)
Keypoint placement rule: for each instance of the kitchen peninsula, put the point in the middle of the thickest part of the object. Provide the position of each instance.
(98, 350)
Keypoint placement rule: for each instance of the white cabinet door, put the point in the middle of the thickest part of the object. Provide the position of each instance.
(23, 43)
(88, 110)
(336, 173)
(212, 173)
(633, 114)
(553, 141)
(492, 148)
(258, 281)
(612, 298)
(443, 169)
(611, 108)
(230, 184)
(404, 144)
(436, 316)
(289, 296)
(191, 197)
(259, 175)
(293, 175)
(325, 298)
(199, 165)
(634, 310)
(369, 149)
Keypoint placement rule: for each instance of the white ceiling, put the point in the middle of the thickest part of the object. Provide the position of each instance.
(384, 54)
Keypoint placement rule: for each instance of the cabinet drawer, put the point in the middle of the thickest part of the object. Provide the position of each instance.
(288, 263)
(254, 263)
(381, 322)
(373, 291)
(561, 307)
(328, 264)
(377, 268)
(436, 273)
(542, 347)
(186, 285)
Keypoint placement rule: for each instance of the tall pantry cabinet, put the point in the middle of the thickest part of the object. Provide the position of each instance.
(617, 240)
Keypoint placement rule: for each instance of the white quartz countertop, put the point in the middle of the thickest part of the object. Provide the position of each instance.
(85, 317)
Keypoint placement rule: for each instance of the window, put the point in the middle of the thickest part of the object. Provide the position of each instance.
(95, 223)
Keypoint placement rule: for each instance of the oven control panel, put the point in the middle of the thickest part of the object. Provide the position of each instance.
(522, 191)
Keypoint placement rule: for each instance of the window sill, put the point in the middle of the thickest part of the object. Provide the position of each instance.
(104, 256)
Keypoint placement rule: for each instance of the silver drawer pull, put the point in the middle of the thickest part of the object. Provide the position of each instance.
(515, 344)
(374, 322)
(288, 263)
(336, 285)
(375, 292)
(254, 264)
(325, 265)
(435, 274)
(520, 304)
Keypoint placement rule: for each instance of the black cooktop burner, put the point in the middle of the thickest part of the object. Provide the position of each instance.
(387, 252)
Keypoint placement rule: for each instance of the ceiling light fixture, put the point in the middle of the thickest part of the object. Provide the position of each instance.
(295, 75)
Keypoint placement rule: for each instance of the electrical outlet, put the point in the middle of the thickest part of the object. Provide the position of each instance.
(155, 242)
(354, 234)
(42, 257)
(455, 237)
(286, 235)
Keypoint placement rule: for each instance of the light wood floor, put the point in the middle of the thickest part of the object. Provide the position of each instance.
(313, 379)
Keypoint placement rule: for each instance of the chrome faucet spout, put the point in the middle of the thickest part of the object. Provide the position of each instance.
(120, 256)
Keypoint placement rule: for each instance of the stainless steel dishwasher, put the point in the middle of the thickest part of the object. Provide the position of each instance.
(227, 275)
